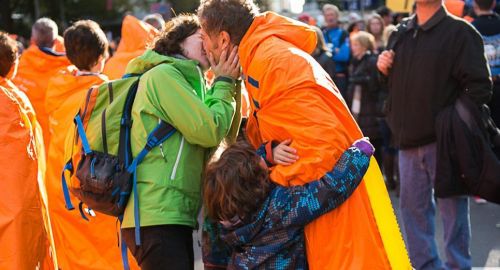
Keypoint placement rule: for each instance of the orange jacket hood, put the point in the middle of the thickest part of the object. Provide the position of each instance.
(270, 24)
(455, 7)
(136, 34)
(34, 59)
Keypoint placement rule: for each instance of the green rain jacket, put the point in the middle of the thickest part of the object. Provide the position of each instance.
(169, 177)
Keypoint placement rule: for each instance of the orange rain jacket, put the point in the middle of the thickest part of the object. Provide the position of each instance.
(455, 7)
(136, 35)
(34, 71)
(80, 244)
(25, 233)
(293, 97)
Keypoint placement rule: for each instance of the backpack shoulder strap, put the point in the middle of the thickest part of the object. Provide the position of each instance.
(398, 33)
(161, 133)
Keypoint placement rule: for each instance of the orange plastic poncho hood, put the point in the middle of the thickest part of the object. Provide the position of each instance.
(292, 97)
(136, 35)
(270, 25)
(33, 74)
(455, 7)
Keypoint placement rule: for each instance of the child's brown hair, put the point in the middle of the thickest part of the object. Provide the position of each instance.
(85, 43)
(236, 184)
(8, 53)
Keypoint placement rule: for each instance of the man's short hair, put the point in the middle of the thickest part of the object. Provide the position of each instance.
(8, 53)
(331, 7)
(484, 4)
(85, 43)
(44, 32)
(232, 16)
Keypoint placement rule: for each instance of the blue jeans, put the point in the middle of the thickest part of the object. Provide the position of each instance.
(417, 168)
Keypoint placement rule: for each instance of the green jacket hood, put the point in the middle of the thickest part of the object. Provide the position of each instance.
(150, 59)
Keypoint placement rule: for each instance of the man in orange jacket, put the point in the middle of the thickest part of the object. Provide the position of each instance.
(24, 240)
(292, 97)
(80, 244)
(37, 65)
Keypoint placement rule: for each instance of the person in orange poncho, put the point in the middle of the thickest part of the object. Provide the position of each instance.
(136, 35)
(457, 8)
(24, 238)
(80, 244)
(37, 65)
(292, 97)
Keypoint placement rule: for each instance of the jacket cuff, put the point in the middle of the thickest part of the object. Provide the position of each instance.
(224, 79)
(266, 152)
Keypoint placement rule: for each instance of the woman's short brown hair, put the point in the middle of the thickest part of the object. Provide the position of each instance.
(175, 32)
(85, 43)
(8, 53)
(236, 184)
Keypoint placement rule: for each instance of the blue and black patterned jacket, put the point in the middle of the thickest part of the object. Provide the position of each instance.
(273, 238)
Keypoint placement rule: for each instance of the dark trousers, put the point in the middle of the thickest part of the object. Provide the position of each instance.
(162, 247)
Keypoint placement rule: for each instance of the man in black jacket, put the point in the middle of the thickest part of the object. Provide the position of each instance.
(435, 58)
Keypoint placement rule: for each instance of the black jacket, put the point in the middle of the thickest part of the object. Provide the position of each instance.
(466, 160)
(364, 74)
(433, 64)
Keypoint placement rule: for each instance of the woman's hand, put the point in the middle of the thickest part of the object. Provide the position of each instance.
(228, 66)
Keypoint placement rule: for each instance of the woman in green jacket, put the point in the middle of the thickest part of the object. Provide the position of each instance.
(172, 89)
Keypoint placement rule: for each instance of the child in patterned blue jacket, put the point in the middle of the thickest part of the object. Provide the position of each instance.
(260, 225)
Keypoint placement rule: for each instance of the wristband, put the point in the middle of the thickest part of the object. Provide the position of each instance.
(224, 79)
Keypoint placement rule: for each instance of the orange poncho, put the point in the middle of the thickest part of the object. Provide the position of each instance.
(80, 244)
(455, 7)
(35, 70)
(293, 97)
(136, 35)
(23, 216)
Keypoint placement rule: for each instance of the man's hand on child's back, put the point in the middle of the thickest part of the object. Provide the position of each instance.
(283, 154)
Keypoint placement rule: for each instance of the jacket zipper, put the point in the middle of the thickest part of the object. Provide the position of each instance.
(179, 154)
(177, 160)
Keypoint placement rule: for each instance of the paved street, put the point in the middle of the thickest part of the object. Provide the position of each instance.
(485, 242)
(485, 246)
